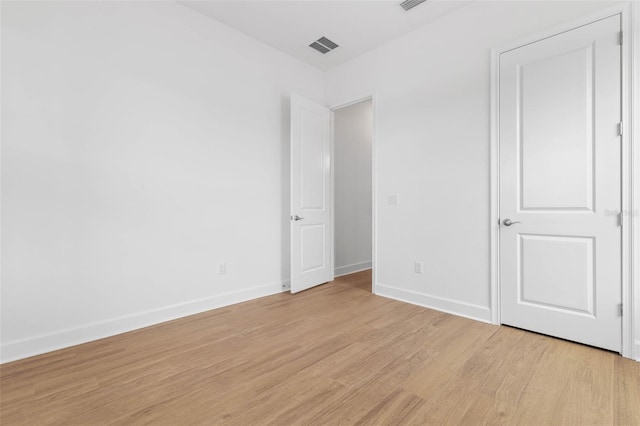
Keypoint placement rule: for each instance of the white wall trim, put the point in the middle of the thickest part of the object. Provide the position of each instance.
(630, 164)
(374, 196)
(634, 127)
(494, 178)
(450, 306)
(352, 101)
(37, 345)
(350, 269)
(374, 182)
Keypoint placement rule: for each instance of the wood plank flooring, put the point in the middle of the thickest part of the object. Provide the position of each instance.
(335, 354)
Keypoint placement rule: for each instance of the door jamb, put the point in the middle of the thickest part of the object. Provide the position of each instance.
(368, 96)
(630, 20)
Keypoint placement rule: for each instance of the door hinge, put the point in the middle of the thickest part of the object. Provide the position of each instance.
(620, 310)
(620, 128)
(620, 38)
(620, 216)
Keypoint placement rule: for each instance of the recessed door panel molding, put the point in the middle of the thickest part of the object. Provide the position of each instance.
(557, 272)
(312, 239)
(560, 179)
(555, 100)
(313, 159)
(311, 220)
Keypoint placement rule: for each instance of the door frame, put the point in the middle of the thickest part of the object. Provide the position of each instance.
(350, 101)
(630, 18)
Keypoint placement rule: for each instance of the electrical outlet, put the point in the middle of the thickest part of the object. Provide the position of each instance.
(418, 267)
(394, 199)
(222, 268)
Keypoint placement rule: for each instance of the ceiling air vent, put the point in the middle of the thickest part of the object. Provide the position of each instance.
(410, 4)
(323, 45)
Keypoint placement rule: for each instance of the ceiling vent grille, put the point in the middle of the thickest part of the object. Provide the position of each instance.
(326, 42)
(323, 45)
(410, 4)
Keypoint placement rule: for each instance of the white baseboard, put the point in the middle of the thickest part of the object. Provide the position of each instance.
(450, 306)
(350, 269)
(37, 345)
(636, 352)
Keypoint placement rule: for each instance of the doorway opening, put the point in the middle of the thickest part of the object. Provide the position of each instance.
(352, 128)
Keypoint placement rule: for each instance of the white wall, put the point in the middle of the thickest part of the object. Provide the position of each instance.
(143, 143)
(432, 147)
(353, 133)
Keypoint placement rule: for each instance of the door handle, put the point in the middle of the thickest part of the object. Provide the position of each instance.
(297, 218)
(508, 222)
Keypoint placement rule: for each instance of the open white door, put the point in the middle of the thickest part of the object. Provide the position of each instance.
(560, 185)
(311, 227)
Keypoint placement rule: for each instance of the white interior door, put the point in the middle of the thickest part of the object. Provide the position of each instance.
(560, 185)
(311, 227)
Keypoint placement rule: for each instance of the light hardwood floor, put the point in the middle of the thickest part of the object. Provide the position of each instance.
(335, 354)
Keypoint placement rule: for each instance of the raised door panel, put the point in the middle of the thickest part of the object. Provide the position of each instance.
(555, 100)
(313, 147)
(557, 273)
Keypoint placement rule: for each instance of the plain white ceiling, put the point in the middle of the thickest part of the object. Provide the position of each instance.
(290, 26)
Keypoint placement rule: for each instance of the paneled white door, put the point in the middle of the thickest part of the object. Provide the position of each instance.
(311, 227)
(560, 185)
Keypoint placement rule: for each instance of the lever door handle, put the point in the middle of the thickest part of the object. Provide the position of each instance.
(297, 218)
(508, 222)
